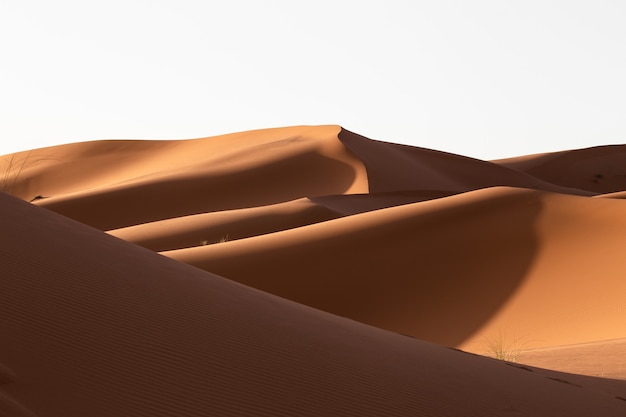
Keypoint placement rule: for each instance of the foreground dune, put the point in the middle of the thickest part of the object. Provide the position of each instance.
(92, 325)
(354, 245)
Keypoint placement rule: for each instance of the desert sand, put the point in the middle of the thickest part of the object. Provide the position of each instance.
(310, 271)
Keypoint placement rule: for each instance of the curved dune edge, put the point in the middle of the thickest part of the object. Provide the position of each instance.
(390, 268)
(192, 177)
(218, 227)
(618, 195)
(598, 169)
(228, 225)
(575, 276)
(441, 247)
(121, 330)
(393, 167)
(415, 268)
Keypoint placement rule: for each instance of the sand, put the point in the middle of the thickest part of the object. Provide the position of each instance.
(309, 270)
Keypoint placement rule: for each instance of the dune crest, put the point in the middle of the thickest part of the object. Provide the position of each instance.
(309, 270)
(599, 169)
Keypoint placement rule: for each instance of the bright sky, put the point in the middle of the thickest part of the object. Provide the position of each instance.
(481, 78)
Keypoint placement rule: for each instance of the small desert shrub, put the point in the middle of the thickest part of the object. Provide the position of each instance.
(504, 348)
(12, 167)
(222, 240)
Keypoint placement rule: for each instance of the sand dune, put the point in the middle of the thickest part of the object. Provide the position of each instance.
(393, 167)
(296, 263)
(100, 327)
(392, 268)
(413, 269)
(599, 169)
(192, 177)
(603, 358)
(114, 184)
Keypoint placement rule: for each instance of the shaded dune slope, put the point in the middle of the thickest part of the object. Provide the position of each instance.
(192, 177)
(441, 247)
(216, 227)
(393, 167)
(116, 184)
(120, 330)
(455, 271)
(391, 267)
(331, 219)
(227, 225)
(600, 169)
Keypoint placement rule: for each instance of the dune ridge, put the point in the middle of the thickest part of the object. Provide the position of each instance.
(598, 169)
(393, 167)
(310, 271)
(121, 330)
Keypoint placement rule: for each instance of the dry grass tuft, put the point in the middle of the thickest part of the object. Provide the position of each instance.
(504, 348)
(12, 167)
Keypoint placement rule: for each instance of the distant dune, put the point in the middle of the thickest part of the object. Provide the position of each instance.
(310, 271)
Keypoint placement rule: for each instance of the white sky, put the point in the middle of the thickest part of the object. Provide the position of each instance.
(481, 78)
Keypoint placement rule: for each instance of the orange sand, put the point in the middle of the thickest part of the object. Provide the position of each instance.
(310, 271)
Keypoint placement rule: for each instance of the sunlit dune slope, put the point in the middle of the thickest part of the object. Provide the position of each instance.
(412, 269)
(603, 358)
(92, 325)
(404, 238)
(116, 184)
(113, 184)
(523, 253)
(227, 225)
(543, 268)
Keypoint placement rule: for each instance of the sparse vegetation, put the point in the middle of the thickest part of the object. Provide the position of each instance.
(502, 348)
(11, 169)
(11, 172)
(222, 240)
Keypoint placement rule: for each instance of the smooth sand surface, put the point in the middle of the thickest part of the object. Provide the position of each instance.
(310, 271)
(599, 169)
(604, 358)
